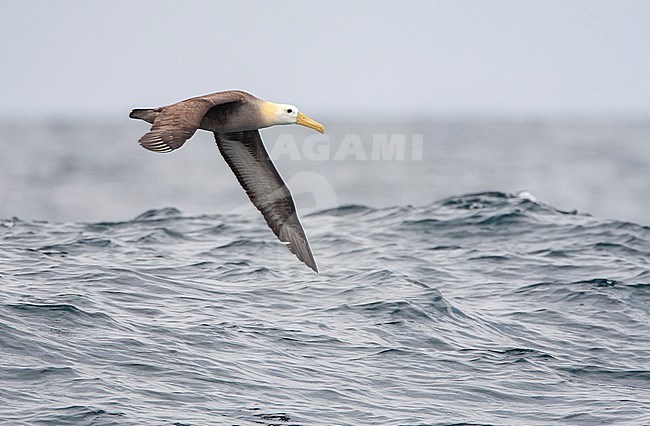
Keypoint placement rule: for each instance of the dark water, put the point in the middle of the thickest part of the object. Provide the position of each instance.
(492, 308)
(487, 308)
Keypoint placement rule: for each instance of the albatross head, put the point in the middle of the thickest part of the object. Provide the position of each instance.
(289, 114)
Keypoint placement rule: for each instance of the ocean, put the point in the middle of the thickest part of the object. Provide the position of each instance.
(472, 271)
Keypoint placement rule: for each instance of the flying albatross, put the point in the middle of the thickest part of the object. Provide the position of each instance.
(235, 117)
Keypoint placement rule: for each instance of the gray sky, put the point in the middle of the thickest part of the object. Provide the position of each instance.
(495, 57)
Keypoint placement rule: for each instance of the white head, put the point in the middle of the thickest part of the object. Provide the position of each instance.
(286, 114)
(289, 114)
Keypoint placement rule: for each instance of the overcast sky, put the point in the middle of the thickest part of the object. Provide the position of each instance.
(402, 57)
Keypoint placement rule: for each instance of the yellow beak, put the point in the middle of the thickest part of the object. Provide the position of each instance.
(303, 120)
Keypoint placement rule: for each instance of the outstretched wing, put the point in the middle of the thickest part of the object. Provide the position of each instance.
(245, 154)
(176, 123)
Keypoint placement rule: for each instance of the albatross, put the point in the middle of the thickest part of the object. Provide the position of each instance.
(235, 118)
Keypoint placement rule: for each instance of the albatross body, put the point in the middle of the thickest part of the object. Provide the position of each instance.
(235, 117)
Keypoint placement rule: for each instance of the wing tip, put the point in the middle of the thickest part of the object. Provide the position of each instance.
(152, 141)
(306, 258)
(302, 251)
(312, 266)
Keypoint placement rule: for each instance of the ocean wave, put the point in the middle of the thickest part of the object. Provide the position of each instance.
(476, 308)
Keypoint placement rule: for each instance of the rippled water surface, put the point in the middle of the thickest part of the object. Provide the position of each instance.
(486, 308)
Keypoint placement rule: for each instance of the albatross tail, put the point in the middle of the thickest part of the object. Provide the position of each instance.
(146, 114)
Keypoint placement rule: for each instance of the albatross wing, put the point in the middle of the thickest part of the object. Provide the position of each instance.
(176, 123)
(245, 154)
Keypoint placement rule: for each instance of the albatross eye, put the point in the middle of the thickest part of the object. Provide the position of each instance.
(289, 110)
